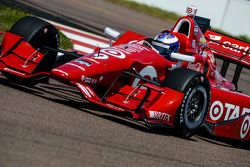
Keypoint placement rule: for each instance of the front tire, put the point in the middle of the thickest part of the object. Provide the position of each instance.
(194, 106)
(38, 33)
(193, 109)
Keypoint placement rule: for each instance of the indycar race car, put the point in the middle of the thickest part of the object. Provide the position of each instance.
(184, 91)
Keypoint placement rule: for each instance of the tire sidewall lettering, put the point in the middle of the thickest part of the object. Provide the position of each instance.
(183, 106)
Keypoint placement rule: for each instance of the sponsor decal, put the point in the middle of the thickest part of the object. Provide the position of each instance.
(118, 52)
(83, 62)
(196, 29)
(193, 43)
(159, 115)
(216, 110)
(88, 80)
(229, 111)
(228, 45)
(245, 127)
(197, 67)
(146, 71)
(215, 37)
(235, 47)
(105, 53)
(93, 81)
(77, 66)
(189, 10)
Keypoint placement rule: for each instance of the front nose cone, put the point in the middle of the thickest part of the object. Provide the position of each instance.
(68, 72)
(59, 73)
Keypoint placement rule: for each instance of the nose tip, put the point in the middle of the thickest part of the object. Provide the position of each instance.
(60, 74)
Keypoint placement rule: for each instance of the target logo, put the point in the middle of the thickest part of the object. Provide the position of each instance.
(149, 71)
(245, 127)
(114, 52)
(105, 53)
(216, 110)
(227, 111)
(189, 10)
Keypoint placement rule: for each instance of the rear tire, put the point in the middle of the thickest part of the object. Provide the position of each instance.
(194, 107)
(38, 33)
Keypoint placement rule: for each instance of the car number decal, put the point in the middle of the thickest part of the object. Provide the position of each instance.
(118, 52)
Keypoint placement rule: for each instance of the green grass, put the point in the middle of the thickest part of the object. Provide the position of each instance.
(9, 15)
(162, 14)
(65, 42)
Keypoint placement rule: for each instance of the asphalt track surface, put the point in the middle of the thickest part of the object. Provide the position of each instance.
(50, 125)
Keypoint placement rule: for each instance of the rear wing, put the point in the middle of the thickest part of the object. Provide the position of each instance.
(226, 48)
(230, 50)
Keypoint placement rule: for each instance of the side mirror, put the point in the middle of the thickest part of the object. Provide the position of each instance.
(112, 34)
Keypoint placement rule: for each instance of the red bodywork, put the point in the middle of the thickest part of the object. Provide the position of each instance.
(93, 74)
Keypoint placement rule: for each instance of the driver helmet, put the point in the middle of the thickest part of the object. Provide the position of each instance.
(166, 43)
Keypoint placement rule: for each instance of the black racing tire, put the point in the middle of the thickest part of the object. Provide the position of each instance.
(194, 107)
(38, 33)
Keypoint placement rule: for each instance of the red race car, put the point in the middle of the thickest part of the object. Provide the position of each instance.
(169, 81)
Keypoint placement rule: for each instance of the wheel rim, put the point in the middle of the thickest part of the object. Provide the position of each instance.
(195, 107)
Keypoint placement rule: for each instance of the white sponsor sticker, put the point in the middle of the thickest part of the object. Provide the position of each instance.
(229, 111)
(146, 71)
(216, 110)
(215, 37)
(245, 127)
(159, 115)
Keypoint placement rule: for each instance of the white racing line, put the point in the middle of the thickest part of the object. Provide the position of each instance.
(83, 42)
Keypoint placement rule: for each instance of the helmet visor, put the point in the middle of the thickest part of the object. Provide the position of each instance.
(162, 48)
